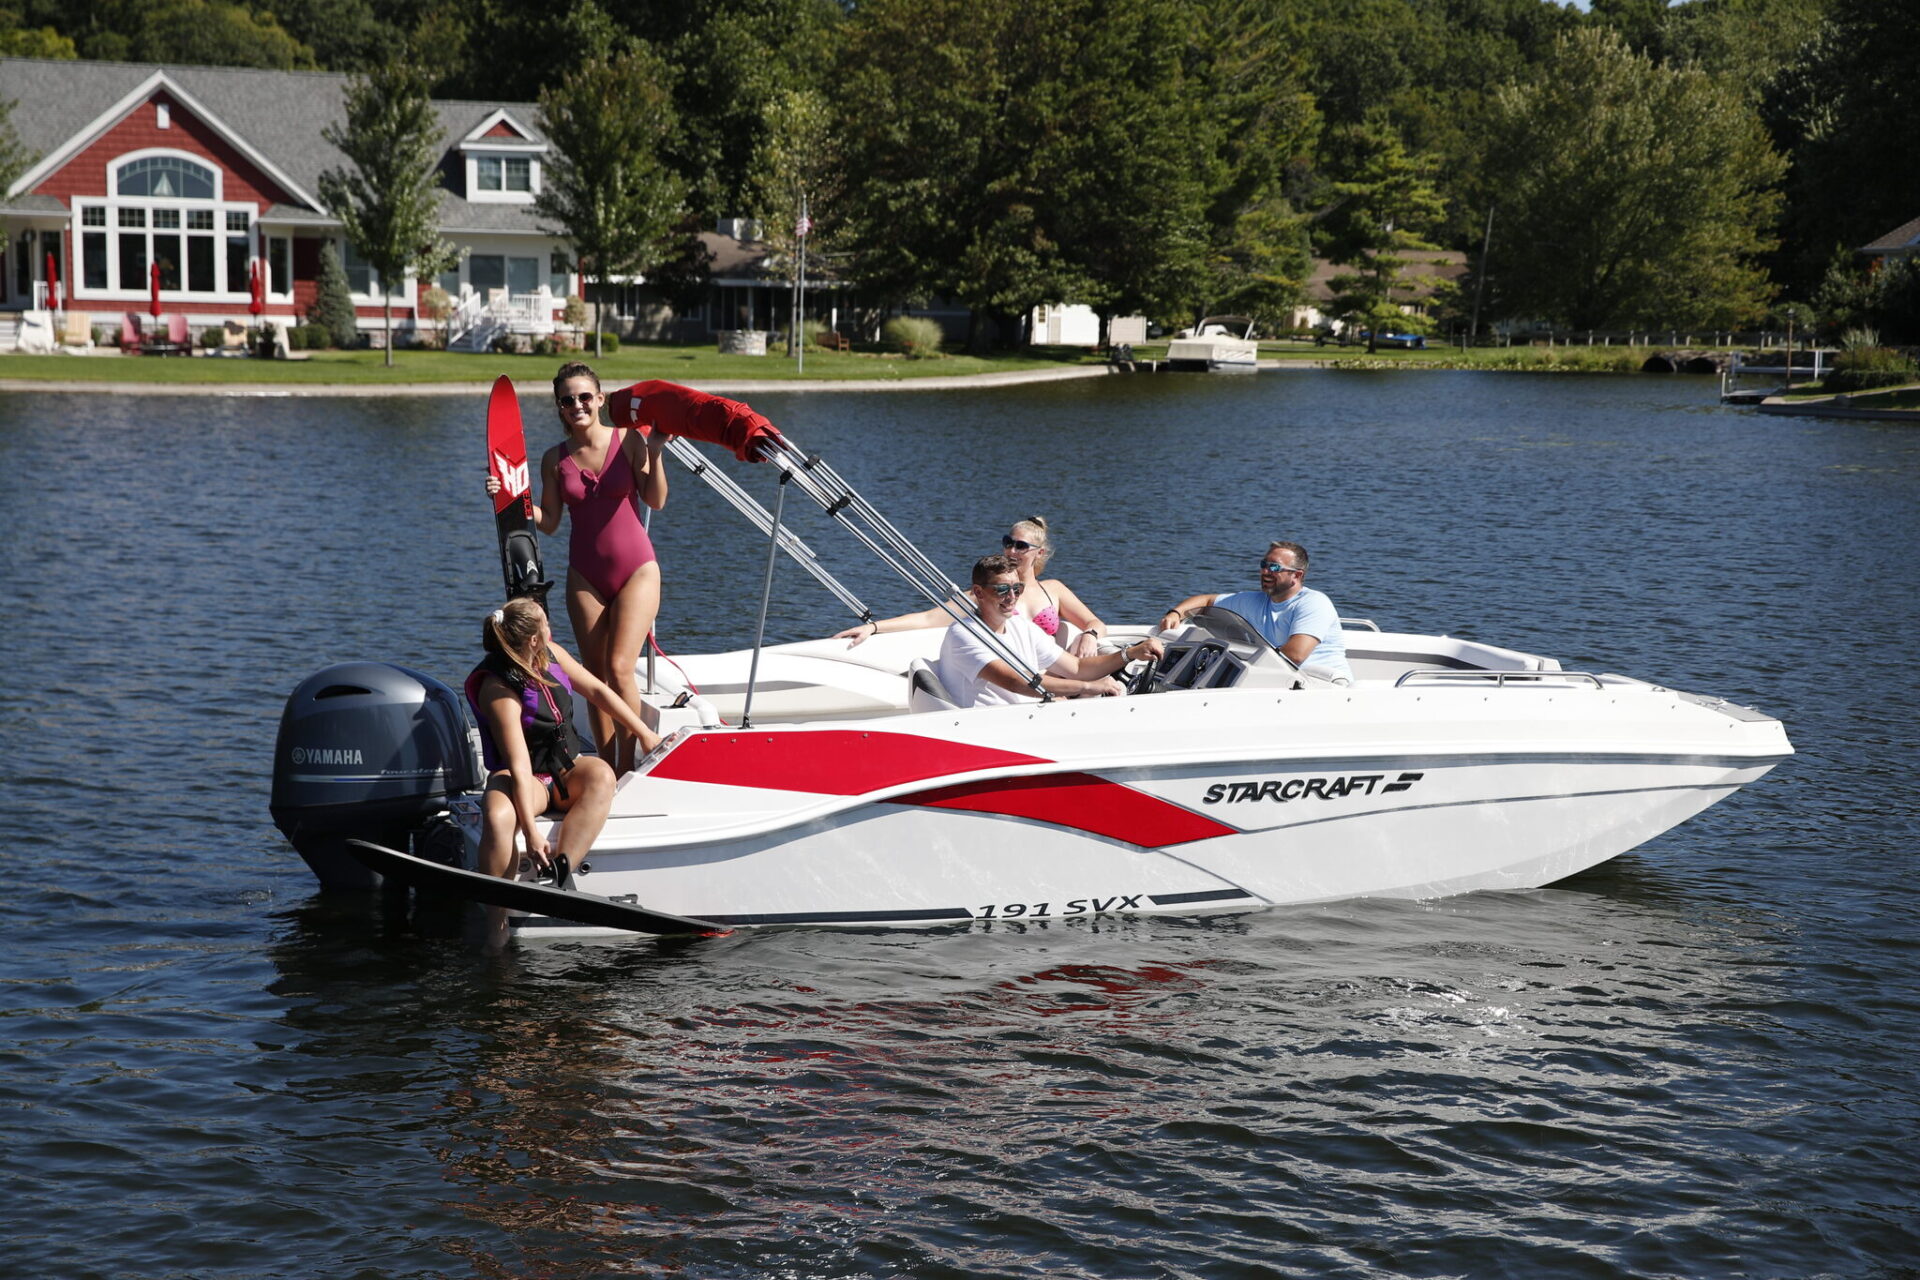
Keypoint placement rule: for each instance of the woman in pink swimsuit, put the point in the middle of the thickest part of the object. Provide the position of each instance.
(1046, 603)
(600, 474)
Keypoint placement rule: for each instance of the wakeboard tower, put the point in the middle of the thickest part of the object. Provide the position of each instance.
(513, 505)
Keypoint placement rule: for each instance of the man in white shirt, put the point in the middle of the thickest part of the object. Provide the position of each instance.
(1297, 620)
(977, 676)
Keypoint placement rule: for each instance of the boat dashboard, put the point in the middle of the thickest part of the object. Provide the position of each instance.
(1219, 649)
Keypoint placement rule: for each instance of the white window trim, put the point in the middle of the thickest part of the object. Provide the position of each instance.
(533, 152)
(113, 202)
(401, 297)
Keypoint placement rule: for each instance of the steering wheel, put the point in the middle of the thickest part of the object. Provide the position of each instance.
(1141, 682)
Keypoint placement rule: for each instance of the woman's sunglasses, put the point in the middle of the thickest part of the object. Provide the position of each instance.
(1012, 543)
(583, 399)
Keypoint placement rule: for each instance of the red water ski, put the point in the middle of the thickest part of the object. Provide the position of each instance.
(513, 505)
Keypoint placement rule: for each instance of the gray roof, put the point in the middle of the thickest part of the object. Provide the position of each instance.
(31, 204)
(280, 114)
(1905, 236)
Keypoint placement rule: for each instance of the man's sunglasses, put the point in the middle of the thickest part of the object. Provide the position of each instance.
(1274, 566)
(1006, 589)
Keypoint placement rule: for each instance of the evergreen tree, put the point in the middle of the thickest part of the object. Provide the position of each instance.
(607, 190)
(333, 301)
(389, 202)
(1385, 201)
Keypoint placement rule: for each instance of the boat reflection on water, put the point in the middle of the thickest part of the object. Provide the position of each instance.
(826, 1100)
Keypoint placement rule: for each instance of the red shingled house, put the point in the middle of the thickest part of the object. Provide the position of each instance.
(206, 170)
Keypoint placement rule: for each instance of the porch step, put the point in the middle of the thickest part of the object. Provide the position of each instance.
(478, 338)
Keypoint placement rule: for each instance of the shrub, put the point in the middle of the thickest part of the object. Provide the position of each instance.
(1867, 368)
(916, 336)
(213, 337)
(296, 337)
(609, 343)
(573, 313)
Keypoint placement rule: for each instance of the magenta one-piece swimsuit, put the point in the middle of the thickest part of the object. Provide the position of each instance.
(607, 541)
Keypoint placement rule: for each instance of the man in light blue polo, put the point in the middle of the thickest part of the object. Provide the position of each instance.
(1296, 619)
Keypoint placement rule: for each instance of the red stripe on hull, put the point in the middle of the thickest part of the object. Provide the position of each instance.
(833, 762)
(1081, 801)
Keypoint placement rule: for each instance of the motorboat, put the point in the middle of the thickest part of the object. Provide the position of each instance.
(1216, 344)
(817, 783)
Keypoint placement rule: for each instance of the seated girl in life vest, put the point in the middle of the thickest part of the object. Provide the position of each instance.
(522, 695)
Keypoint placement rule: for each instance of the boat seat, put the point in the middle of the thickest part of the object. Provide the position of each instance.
(924, 690)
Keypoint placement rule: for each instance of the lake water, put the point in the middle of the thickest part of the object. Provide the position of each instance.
(1698, 1060)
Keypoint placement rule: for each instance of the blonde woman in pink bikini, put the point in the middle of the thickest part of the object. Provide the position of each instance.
(1047, 603)
(601, 474)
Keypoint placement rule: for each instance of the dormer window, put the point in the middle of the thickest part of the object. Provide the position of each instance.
(504, 173)
(502, 176)
(502, 161)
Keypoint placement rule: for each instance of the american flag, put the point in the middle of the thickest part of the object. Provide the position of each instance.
(802, 226)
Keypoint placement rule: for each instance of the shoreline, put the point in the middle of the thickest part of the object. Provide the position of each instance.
(721, 387)
(1828, 409)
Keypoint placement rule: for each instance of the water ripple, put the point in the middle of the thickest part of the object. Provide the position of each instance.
(1694, 1062)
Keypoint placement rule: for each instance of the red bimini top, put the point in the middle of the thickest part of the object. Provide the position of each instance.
(655, 405)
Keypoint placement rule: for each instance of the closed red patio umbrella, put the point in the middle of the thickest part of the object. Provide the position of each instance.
(53, 282)
(153, 304)
(257, 287)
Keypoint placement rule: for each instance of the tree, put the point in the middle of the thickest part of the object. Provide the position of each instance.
(333, 301)
(15, 159)
(1843, 110)
(202, 32)
(1628, 193)
(1385, 199)
(33, 42)
(389, 202)
(799, 174)
(1261, 268)
(607, 190)
(731, 63)
(1009, 156)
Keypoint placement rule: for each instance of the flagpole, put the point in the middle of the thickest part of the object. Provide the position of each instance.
(800, 304)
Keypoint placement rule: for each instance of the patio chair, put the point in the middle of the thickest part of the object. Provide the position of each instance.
(132, 337)
(77, 331)
(177, 335)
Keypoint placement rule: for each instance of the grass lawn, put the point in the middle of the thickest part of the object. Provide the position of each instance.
(680, 363)
(701, 363)
(1438, 355)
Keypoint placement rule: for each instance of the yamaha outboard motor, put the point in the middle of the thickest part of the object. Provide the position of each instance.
(372, 751)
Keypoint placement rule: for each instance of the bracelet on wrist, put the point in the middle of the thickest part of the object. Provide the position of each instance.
(875, 626)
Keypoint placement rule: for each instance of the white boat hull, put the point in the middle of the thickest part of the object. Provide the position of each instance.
(1249, 798)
